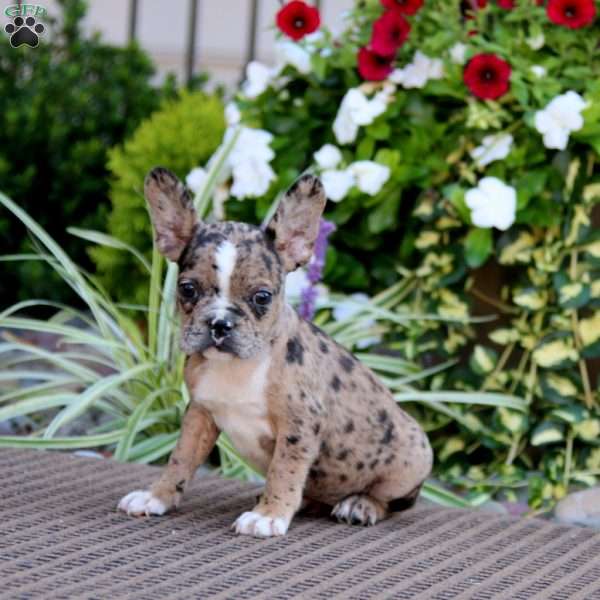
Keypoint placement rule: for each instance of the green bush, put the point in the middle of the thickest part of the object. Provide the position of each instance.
(180, 136)
(62, 106)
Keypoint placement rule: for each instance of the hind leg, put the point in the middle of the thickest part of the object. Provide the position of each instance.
(360, 509)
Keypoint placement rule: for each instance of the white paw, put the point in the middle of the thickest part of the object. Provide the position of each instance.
(251, 523)
(141, 502)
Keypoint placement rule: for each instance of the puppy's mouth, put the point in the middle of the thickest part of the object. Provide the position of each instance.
(223, 345)
(201, 343)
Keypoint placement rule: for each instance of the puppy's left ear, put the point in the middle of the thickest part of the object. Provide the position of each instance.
(171, 210)
(295, 225)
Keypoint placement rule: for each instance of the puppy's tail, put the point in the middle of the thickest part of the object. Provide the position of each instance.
(406, 502)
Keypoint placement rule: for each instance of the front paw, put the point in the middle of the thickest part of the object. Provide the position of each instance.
(257, 525)
(142, 502)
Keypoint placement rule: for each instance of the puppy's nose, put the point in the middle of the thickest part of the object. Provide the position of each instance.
(220, 328)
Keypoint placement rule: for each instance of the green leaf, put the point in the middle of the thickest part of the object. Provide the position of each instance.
(475, 398)
(558, 388)
(483, 360)
(478, 247)
(548, 432)
(386, 214)
(556, 353)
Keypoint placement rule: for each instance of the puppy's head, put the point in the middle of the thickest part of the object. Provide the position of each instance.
(230, 289)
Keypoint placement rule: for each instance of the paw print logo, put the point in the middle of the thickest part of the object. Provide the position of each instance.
(24, 31)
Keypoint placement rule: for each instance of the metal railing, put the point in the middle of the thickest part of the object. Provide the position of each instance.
(192, 35)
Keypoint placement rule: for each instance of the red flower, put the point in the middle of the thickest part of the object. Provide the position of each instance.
(506, 4)
(372, 66)
(389, 33)
(487, 76)
(297, 19)
(406, 7)
(571, 13)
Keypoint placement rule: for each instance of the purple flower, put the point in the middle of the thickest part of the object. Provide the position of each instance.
(309, 294)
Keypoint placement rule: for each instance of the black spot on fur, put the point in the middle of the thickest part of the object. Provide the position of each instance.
(316, 428)
(423, 444)
(316, 330)
(347, 362)
(360, 465)
(317, 474)
(343, 478)
(295, 351)
(267, 260)
(204, 237)
(237, 310)
(342, 454)
(292, 439)
(388, 436)
(336, 384)
(325, 451)
(374, 464)
(323, 347)
(389, 460)
(382, 416)
(349, 428)
(180, 485)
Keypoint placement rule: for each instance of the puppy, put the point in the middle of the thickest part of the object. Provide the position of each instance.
(297, 406)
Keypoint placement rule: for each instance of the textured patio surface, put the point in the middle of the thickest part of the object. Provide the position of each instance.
(61, 537)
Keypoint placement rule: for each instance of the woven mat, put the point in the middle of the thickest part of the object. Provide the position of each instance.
(61, 537)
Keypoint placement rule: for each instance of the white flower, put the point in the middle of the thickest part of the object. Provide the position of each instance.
(195, 179)
(251, 143)
(337, 183)
(458, 53)
(251, 178)
(328, 157)
(248, 162)
(370, 176)
(295, 282)
(357, 110)
(258, 77)
(561, 116)
(536, 42)
(314, 38)
(417, 73)
(493, 147)
(290, 53)
(232, 114)
(538, 70)
(492, 204)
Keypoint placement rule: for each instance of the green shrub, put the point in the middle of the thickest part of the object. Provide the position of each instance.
(180, 136)
(62, 106)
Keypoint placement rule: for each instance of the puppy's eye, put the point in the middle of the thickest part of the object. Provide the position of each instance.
(188, 291)
(262, 298)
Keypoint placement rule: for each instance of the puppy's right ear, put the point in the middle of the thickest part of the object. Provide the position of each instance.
(171, 210)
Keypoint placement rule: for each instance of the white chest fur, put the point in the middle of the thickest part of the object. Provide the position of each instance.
(234, 391)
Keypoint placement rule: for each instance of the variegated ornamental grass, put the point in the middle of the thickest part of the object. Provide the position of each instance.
(144, 396)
